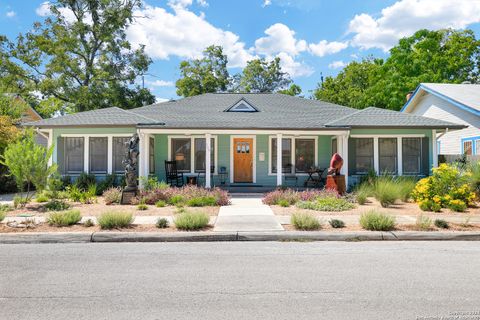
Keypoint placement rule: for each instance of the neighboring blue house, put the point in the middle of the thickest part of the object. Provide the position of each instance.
(457, 103)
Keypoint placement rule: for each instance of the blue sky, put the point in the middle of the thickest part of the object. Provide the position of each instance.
(311, 36)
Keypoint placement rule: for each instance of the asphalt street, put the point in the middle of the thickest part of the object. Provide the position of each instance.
(241, 280)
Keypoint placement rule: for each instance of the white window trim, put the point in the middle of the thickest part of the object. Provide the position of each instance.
(86, 148)
(376, 155)
(270, 138)
(192, 151)
(254, 151)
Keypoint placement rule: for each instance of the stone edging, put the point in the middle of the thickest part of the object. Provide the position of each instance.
(84, 237)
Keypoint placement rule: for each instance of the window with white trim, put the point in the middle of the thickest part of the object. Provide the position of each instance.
(363, 155)
(200, 151)
(468, 147)
(119, 148)
(304, 155)
(287, 166)
(74, 154)
(387, 155)
(98, 154)
(181, 153)
(412, 156)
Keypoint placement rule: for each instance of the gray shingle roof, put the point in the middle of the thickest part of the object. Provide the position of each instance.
(378, 118)
(275, 111)
(102, 117)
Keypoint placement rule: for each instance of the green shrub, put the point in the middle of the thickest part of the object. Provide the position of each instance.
(42, 197)
(57, 205)
(89, 223)
(109, 182)
(440, 223)
(377, 221)
(142, 206)
(112, 195)
(305, 221)
(189, 221)
(361, 198)
(177, 200)
(328, 203)
(405, 187)
(88, 195)
(3, 214)
(202, 202)
(65, 218)
(386, 191)
(283, 203)
(19, 201)
(160, 204)
(336, 223)
(162, 223)
(423, 223)
(115, 219)
(85, 180)
(429, 205)
(152, 183)
(457, 205)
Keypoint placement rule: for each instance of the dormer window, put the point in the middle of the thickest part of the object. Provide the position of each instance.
(242, 106)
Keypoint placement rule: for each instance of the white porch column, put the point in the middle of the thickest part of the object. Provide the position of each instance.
(208, 164)
(86, 154)
(344, 154)
(434, 149)
(143, 153)
(376, 160)
(109, 154)
(400, 156)
(279, 159)
(49, 145)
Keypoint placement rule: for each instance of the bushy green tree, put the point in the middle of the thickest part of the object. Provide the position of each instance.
(28, 163)
(293, 90)
(444, 56)
(206, 75)
(81, 57)
(260, 75)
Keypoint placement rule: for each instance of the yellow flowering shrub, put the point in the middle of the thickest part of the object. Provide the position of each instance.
(446, 187)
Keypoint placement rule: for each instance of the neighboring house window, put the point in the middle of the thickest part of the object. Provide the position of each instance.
(334, 146)
(286, 155)
(74, 154)
(467, 147)
(364, 155)
(98, 150)
(151, 155)
(304, 154)
(119, 148)
(200, 149)
(412, 155)
(181, 152)
(387, 155)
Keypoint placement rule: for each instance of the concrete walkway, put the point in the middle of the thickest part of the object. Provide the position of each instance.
(246, 213)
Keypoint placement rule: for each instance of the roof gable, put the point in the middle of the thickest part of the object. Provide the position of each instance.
(242, 106)
(463, 96)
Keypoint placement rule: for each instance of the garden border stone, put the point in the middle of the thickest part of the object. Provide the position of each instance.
(200, 236)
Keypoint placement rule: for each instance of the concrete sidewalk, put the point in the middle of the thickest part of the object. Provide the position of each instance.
(246, 214)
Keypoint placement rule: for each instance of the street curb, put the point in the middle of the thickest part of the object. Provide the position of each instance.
(85, 237)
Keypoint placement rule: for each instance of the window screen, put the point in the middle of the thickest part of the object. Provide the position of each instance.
(98, 154)
(74, 152)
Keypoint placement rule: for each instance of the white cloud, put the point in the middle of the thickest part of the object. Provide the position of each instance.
(294, 68)
(405, 17)
(11, 14)
(183, 34)
(160, 83)
(324, 47)
(280, 38)
(160, 100)
(337, 64)
(266, 3)
(44, 9)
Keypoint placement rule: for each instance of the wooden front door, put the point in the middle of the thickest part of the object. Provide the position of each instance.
(243, 159)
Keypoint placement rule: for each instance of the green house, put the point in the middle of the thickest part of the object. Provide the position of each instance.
(237, 136)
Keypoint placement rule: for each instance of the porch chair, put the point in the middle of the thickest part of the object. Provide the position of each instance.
(201, 176)
(173, 177)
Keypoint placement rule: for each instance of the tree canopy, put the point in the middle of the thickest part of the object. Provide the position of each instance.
(445, 56)
(80, 56)
(293, 90)
(205, 75)
(261, 76)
